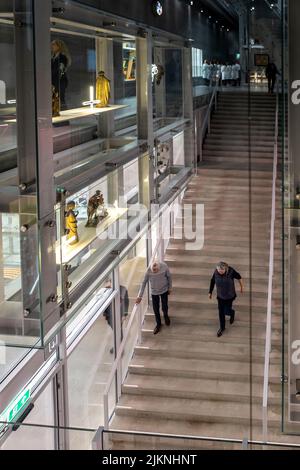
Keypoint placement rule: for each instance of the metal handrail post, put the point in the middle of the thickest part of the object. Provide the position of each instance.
(140, 320)
(106, 412)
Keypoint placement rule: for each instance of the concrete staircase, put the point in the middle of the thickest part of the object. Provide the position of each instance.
(185, 380)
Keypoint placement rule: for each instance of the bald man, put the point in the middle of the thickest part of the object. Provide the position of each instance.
(160, 280)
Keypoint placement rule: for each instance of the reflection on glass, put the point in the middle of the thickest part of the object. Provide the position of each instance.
(125, 85)
(132, 271)
(19, 270)
(92, 218)
(129, 60)
(89, 367)
(73, 68)
(8, 128)
(36, 437)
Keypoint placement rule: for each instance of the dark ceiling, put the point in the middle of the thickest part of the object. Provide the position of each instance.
(230, 9)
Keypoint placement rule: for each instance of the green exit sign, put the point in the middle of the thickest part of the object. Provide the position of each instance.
(19, 405)
(15, 407)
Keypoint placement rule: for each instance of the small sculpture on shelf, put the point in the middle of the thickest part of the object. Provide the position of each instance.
(55, 103)
(160, 74)
(71, 224)
(96, 210)
(102, 90)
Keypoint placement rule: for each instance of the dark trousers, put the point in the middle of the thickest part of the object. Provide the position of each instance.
(225, 308)
(156, 305)
(271, 84)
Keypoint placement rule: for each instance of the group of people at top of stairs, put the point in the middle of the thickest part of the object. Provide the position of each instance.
(214, 73)
(160, 279)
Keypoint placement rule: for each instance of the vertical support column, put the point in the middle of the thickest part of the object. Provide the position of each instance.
(2, 282)
(62, 394)
(115, 187)
(35, 157)
(190, 149)
(118, 329)
(104, 61)
(145, 115)
(160, 90)
(243, 41)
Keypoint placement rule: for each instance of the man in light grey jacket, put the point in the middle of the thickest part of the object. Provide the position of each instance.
(160, 280)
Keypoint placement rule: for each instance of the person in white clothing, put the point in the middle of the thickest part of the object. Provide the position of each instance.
(236, 68)
(228, 74)
(207, 72)
(223, 74)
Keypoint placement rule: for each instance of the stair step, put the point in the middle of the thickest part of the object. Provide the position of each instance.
(198, 389)
(190, 429)
(209, 314)
(195, 410)
(152, 347)
(237, 330)
(207, 269)
(180, 248)
(260, 149)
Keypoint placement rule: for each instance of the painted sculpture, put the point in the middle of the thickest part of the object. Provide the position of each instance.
(96, 210)
(71, 224)
(102, 90)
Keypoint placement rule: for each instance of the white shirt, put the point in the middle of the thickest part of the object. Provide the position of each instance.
(236, 71)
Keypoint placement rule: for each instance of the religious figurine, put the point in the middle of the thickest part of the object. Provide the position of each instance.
(160, 74)
(102, 90)
(95, 209)
(71, 224)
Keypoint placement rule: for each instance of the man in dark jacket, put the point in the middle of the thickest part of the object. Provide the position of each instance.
(223, 278)
(271, 72)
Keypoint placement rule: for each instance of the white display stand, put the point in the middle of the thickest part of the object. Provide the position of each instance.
(78, 113)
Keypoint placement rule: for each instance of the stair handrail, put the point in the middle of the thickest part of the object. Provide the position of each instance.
(245, 443)
(207, 119)
(270, 281)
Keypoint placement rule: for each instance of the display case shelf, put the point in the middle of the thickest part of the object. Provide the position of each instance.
(87, 235)
(79, 113)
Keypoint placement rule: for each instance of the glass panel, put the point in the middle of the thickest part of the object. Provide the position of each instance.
(130, 346)
(79, 439)
(40, 437)
(88, 307)
(89, 367)
(37, 437)
(125, 86)
(8, 127)
(131, 182)
(167, 90)
(132, 270)
(19, 270)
